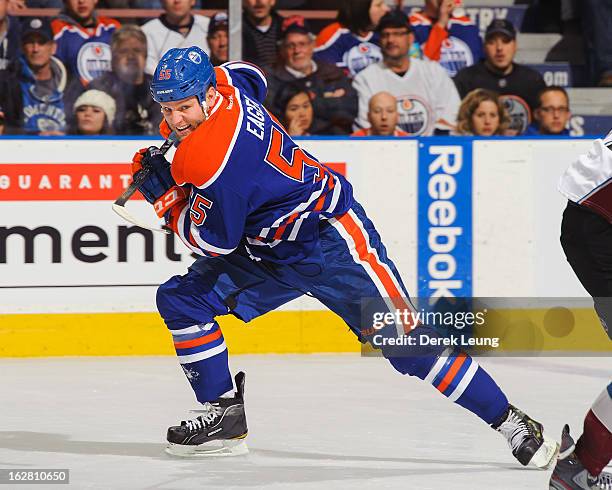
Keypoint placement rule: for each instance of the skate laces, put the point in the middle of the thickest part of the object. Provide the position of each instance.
(515, 430)
(209, 414)
(603, 481)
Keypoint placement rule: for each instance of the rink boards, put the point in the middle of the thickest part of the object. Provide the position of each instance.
(459, 216)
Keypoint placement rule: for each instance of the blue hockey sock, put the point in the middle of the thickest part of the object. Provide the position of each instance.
(459, 377)
(202, 353)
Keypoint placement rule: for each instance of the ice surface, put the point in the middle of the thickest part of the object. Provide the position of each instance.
(316, 422)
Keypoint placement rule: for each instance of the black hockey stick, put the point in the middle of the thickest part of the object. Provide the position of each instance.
(139, 178)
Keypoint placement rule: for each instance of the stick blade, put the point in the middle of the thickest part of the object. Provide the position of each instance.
(121, 211)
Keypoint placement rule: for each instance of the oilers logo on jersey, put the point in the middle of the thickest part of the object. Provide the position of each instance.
(361, 56)
(93, 60)
(455, 55)
(415, 115)
(519, 112)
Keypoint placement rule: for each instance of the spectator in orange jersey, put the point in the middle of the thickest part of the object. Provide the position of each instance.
(482, 114)
(383, 117)
(452, 40)
(83, 39)
(350, 42)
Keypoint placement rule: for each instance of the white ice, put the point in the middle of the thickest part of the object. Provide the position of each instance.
(316, 422)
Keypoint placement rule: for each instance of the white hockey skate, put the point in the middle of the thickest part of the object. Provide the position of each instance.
(526, 438)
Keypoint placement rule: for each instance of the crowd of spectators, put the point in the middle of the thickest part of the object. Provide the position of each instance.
(374, 71)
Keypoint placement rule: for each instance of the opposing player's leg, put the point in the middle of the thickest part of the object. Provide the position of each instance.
(357, 267)
(580, 466)
(189, 305)
(586, 239)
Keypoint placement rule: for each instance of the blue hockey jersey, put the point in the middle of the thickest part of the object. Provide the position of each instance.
(250, 184)
(337, 45)
(85, 51)
(457, 46)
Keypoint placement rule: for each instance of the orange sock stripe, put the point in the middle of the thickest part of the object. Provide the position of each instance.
(452, 372)
(186, 344)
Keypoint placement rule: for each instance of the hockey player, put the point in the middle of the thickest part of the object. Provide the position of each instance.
(586, 237)
(272, 224)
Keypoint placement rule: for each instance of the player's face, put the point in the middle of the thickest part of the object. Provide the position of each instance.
(259, 9)
(183, 116)
(485, 120)
(90, 119)
(37, 51)
(499, 50)
(178, 8)
(378, 8)
(81, 9)
(299, 109)
(297, 50)
(383, 115)
(553, 113)
(129, 57)
(395, 42)
(218, 44)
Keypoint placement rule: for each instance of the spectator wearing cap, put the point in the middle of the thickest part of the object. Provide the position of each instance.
(218, 40)
(177, 27)
(33, 92)
(450, 39)
(517, 84)
(94, 113)
(83, 39)
(426, 96)
(333, 98)
(382, 116)
(9, 37)
(352, 43)
(128, 84)
(261, 31)
(552, 113)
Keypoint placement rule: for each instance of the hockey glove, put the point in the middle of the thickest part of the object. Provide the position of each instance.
(159, 187)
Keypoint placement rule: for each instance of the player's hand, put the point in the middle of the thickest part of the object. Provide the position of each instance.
(298, 126)
(159, 178)
(155, 160)
(445, 12)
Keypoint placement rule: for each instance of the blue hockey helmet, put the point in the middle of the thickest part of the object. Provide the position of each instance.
(182, 73)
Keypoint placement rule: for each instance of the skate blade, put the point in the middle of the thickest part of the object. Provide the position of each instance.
(213, 449)
(546, 456)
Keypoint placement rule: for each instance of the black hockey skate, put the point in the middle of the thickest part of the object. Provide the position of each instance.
(219, 431)
(526, 438)
(569, 474)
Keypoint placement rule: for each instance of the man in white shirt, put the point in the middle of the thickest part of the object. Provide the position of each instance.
(177, 27)
(426, 96)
